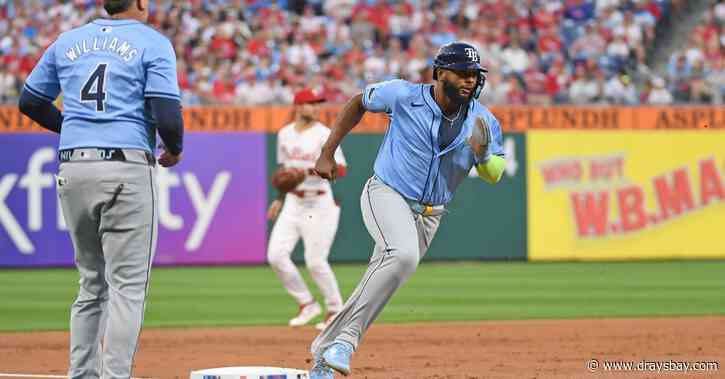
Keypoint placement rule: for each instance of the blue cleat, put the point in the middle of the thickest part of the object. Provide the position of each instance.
(337, 356)
(320, 371)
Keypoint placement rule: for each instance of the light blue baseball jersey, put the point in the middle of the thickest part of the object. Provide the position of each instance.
(106, 69)
(410, 159)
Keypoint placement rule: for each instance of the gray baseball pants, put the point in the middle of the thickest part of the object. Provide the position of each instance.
(110, 210)
(401, 237)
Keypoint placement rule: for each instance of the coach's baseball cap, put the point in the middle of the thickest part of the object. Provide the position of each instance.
(307, 96)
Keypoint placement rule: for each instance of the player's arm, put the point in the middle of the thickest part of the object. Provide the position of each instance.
(280, 194)
(491, 171)
(378, 97)
(276, 206)
(42, 88)
(40, 110)
(350, 116)
(487, 144)
(341, 163)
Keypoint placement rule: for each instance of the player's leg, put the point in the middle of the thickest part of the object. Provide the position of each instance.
(129, 228)
(390, 222)
(87, 317)
(427, 227)
(282, 241)
(318, 234)
(337, 325)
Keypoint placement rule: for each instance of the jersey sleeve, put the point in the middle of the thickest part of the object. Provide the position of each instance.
(161, 77)
(43, 81)
(381, 97)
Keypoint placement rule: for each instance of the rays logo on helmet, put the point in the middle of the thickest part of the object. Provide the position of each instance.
(472, 54)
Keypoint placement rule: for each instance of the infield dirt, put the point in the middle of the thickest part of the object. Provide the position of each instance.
(490, 349)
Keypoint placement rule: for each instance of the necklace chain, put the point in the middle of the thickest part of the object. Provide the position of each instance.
(443, 114)
(454, 118)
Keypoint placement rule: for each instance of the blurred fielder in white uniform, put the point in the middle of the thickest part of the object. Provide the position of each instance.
(308, 211)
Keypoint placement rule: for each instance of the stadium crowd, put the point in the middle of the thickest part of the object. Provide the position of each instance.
(253, 52)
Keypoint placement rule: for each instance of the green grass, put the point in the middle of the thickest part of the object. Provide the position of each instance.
(40, 299)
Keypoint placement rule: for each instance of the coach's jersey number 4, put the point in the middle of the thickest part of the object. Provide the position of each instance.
(95, 88)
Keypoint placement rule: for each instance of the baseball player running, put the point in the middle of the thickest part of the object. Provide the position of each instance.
(119, 85)
(437, 133)
(309, 212)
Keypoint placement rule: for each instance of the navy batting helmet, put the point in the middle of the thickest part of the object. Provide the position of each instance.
(460, 56)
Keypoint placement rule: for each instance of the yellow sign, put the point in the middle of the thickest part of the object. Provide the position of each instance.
(615, 195)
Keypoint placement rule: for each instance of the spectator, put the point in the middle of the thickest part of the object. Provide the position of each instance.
(701, 92)
(530, 43)
(515, 94)
(362, 31)
(535, 85)
(584, 88)
(375, 66)
(514, 58)
(284, 44)
(659, 95)
(579, 11)
(310, 23)
(417, 62)
(694, 52)
(679, 77)
(618, 52)
(611, 17)
(716, 80)
(495, 90)
(8, 86)
(620, 90)
(557, 79)
(630, 31)
(402, 25)
(443, 32)
(301, 53)
(679, 68)
(590, 44)
(708, 28)
(603, 4)
(719, 12)
(549, 43)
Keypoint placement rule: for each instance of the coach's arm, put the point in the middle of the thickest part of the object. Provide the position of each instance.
(40, 110)
(169, 122)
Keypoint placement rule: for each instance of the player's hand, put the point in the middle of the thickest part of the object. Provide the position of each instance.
(274, 209)
(480, 138)
(326, 167)
(168, 159)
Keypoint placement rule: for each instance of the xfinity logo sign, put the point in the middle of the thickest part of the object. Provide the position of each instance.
(205, 204)
(37, 183)
(34, 181)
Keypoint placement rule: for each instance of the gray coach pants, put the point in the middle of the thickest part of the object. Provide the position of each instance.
(401, 239)
(110, 210)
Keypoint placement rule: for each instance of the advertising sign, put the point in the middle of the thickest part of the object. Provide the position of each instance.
(626, 195)
(211, 205)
